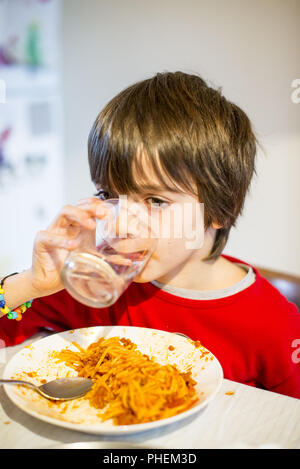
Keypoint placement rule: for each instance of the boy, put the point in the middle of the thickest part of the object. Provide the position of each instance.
(171, 140)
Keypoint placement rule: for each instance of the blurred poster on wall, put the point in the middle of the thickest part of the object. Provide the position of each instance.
(30, 124)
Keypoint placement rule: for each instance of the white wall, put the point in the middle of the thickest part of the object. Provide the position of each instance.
(251, 49)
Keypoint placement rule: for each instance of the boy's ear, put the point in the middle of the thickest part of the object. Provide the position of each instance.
(216, 225)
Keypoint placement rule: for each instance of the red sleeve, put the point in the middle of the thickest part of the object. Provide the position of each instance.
(57, 312)
(281, 367)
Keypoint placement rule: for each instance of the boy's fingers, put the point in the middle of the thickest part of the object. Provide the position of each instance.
(95, 207)
(75, 215)
(88, 200)
(50, 239)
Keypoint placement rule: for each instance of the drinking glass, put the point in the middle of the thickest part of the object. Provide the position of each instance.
(108, 260)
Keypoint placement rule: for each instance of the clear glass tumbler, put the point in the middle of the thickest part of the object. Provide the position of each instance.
(101, 268)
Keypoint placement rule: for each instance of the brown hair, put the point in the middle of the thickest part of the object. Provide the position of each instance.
(192, 136)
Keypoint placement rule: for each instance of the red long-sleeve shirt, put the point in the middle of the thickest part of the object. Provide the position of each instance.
(255, 334)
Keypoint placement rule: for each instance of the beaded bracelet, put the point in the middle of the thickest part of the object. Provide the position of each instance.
(16, 313)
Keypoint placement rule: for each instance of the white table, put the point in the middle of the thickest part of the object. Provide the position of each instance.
(249, 418)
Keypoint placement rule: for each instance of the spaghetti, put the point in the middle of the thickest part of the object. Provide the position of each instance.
(129, 386)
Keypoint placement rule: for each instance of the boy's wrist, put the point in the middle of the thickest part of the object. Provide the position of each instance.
(17, 290)
(17, 293)
(29, 287)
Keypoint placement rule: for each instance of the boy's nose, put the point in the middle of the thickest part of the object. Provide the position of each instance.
(130, 220)
(122, 230)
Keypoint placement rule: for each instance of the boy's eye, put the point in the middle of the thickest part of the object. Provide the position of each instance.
(157, 203)
(103, 195)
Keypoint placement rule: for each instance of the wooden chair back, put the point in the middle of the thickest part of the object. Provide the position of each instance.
(288, 285)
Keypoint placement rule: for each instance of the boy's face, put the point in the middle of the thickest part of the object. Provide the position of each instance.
(181, 239)
(177, 218)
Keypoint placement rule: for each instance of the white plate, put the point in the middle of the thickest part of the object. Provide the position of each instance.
(78, 414)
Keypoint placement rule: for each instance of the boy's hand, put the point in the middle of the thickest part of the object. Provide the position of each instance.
(52, 246)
